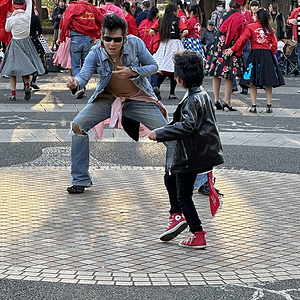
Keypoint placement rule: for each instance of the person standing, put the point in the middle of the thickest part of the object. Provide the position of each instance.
(35, 31)
(21, 58)
(197, 149)
(145, 6)
(123, 93)
(217, 14)
(5, 37)
(83, 20)
(294, 20)
(220, 65)
(56, 17)
(262, 69)
(254, 7)
(181, 13)
(111, 8)
(277, 21)
(145, 26)
(208, 35)
(192, 39)
(171, 30)
(131, 25)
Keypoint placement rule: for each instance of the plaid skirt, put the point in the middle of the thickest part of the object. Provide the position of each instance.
(21, 59)
(164, 54)
(192, 43)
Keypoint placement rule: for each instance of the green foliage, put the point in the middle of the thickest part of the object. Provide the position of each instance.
(49, 3)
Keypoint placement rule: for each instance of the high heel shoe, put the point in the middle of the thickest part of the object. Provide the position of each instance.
(218, 105)
(230, 108)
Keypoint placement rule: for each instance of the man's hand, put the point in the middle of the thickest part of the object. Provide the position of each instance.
(124, 72)
(8, 14)
(152, 136)
(72, 83)
(59, 16)
(293, 22)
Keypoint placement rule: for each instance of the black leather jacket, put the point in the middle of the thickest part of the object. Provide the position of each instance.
(197, 145)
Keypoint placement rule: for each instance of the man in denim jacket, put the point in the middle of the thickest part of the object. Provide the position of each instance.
(123, 64)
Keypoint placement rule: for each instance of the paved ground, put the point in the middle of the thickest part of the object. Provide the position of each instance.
(104, 243)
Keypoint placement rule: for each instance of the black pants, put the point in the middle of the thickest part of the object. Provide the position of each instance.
(180, 188)
(173, 82)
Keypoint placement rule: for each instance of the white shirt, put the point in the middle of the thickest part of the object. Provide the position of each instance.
(19, 24)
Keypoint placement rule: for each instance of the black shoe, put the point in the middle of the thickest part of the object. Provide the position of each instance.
(172, 96)
(80, 94)
(218, 105)
(13, 98)
(157, 92)
(253, 109)
(204, 189)
(27, 93)
(244, 92)
(76, 189)
(34, 85)
(230, 108)
(269, 108)
(234, 90)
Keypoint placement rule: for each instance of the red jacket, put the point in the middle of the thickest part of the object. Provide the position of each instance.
(294, 15)
(5, 6)
(84, 18)
(131, 28)
(193, 27)
(144, 30)
(258, 39)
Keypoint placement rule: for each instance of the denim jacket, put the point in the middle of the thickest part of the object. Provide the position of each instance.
(134, 55)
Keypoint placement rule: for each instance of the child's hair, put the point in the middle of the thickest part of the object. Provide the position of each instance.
(127, 7)
(264, 17)
(152, 13)
(196, 11)
(188, 65)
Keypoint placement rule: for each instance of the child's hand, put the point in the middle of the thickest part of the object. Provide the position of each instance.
(152, 136)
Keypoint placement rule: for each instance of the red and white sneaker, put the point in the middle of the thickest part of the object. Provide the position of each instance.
(196, 240)
(177, 224)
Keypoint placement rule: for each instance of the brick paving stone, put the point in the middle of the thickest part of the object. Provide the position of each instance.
(233, 248)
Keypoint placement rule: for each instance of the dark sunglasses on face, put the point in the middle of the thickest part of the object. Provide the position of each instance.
(117, 39)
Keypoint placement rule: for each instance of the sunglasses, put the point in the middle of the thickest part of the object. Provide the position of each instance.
(118, 39)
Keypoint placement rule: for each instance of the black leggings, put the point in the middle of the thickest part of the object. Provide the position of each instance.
(173, 82)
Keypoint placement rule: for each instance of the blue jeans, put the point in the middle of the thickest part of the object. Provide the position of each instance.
(200, 180)
(99, 110)
(180, 188)
(298, 50)
(79, 49)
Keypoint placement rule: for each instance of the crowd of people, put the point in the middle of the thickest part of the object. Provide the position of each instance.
(133, 51)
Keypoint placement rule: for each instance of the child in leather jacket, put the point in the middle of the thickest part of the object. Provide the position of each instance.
(194, 147)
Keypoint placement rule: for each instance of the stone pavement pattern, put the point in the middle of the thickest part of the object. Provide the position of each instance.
(109, 234)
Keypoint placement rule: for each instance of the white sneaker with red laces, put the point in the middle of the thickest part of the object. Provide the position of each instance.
(196, 240)
(177, 224)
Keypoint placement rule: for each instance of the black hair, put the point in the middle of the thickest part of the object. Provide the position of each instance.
(254, 3)
(264, 17)
(152, 13)
(179, 2)
(196, 11)
(111, 23)
(126, 5)
(166, 22)
(219, 3)
(188, 65)
(233, 4)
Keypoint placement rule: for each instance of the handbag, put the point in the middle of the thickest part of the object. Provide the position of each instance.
(44, 44)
